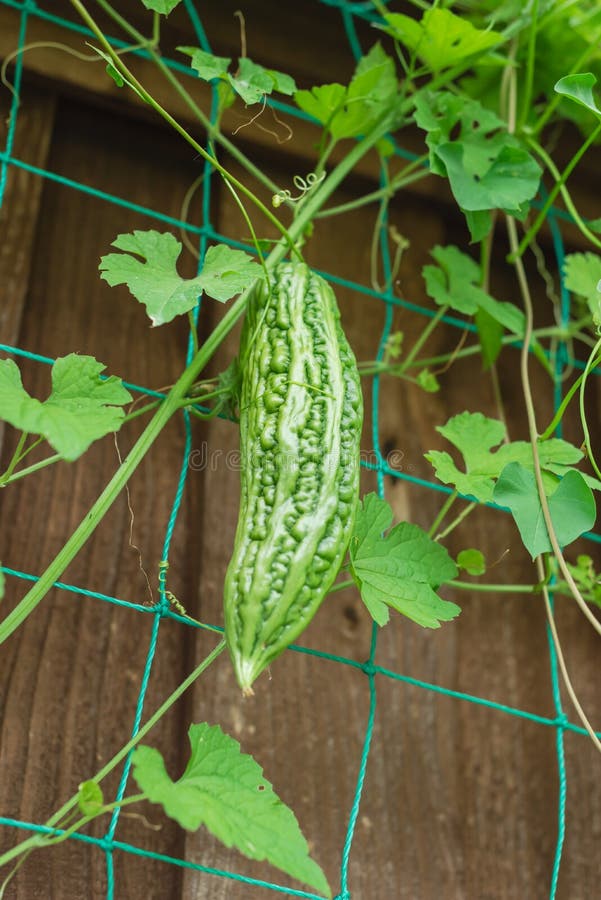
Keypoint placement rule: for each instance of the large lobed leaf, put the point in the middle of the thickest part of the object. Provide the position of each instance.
(224, 789)
(154, 279)
(400, 569)
(441, 39)
(487, 167)
(474, 435)
(81, 408)
(349, 111)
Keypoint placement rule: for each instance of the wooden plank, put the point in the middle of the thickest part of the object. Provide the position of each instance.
(71, 674)
(20, 209)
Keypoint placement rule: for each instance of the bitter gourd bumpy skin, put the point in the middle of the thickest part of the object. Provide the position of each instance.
(301, 413)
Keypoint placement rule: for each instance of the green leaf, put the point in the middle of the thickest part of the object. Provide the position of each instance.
(479, 222)
(571, 506)
(206, 64)
(472, 561)
(252, 82)
(594, 225)
(579, 88)
(586, 577)
(90, 799)
(582, 276)
(474, 435)
(347, 112)
(428, 381)
(486, 166)
(227, 272)
(224, 789)
(441, 39)
(82, 406)
(393, 346)
(455, 282)
(490, 335)
(117, 77)
(511, 180)
(161, 6)
(322, 102)
(372, 87)
(401, 569)
(230, 383)
(155, 281)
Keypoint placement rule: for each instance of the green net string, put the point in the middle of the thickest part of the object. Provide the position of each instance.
(205, 232)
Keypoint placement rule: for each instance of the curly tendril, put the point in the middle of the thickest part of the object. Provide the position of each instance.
(304, 185)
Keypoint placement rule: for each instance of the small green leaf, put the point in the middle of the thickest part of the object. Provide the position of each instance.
(428, 381)
(161, 6)
(401, 569)
(579, 88)
(156, 283)
(571, 506)
(348, 112)
(206, 64)
(372, 88)
(582, 275)
(224, 789)
(82, 406)
(472, 562)
(115, 75)
(594, 225)
(587, 580)
(393, 346)
(282, 83)
(479, 222)
(322, 102)
(490, 335)
(230, 382)
(251, 81)
(227, 272)
(441, 39)
(455, 282)
(90, 799)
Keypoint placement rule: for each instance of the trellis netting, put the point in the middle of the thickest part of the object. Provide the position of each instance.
(557, 725)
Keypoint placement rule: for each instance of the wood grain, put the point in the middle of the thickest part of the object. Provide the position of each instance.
(72, 674)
